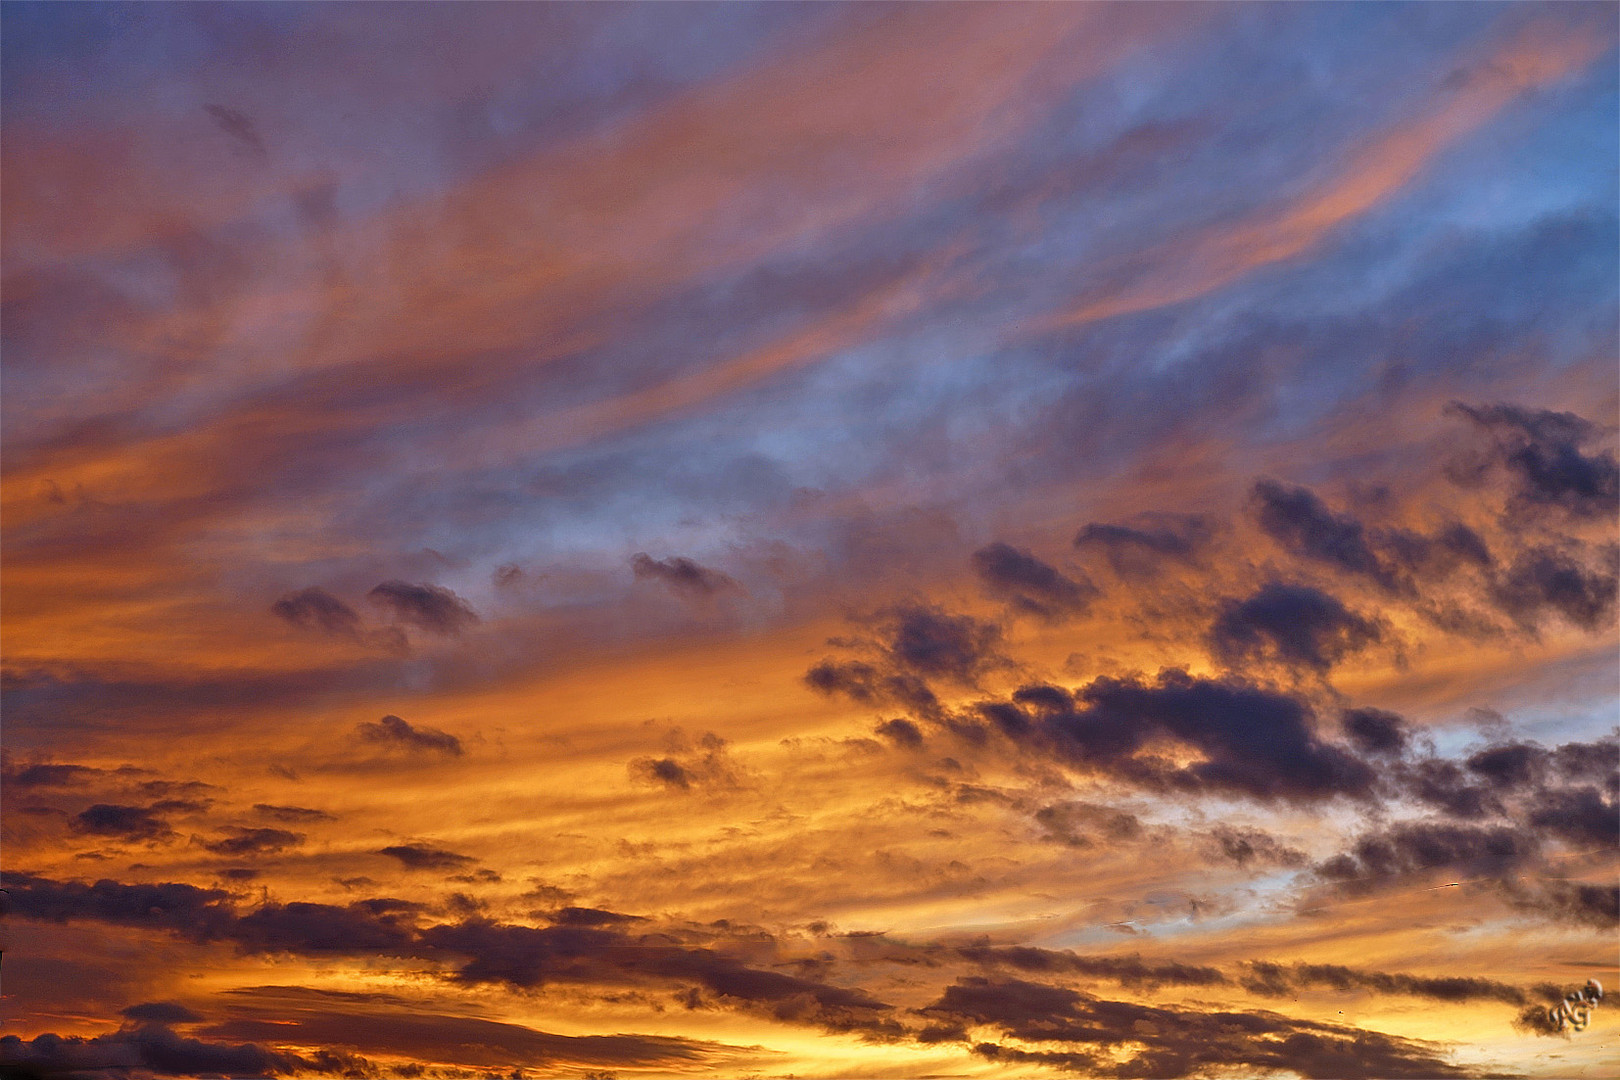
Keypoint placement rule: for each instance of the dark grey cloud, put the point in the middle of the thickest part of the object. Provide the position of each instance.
(155, 1048)
(1544, 579)
(901, 732)
(374, 1023)
(1170, 1042)
(1418, 846)
(391, 731)
(682, 575)
(1129, 971)
(703, 764)
(867, 683)
(422, 857)
(1137, 551)
(1243, 846)
(242, 842)
(1030, 585)
(1285, 980)
(161, 1012)
(316, 609)
(46, 774)
(1541, 451)
(1255, 741)
(122, 822)
(529, 957)
(1375, 731)
(931, 643)
(1295, 625)
(1302, 523)
(428, 607)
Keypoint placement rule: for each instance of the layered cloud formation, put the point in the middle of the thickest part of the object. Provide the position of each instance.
(659, 540)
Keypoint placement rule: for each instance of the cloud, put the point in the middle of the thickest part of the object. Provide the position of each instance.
(933, 644)
(1243, 846)
(707, 764)
(1541, 451)
(254, 842)
(1279, 980)
(428, 607)
(1254, 741)
(1028, 584)
(161, 1012)
(1303, 524)
(1375, 731)
(901, 732)
(122, 822)
(316, 609)
(1414, 847)
(1163, 1041)
(154, 1047)
(867, 683)
(682, 575)
(383, 1024)
(1292, 624)
(393, 732)
(1136, 553)
(1543, 579)
(46, 775)
(422, 857)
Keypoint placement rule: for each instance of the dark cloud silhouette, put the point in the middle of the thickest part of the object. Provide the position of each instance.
(1244, 846)
(316, 609)
(682, 575)
(1446, 786)
(391, 731)
(186, 909)
(428, 607)
(901, 732)
(1028, 584)
(254, 842)
(1254, 741)
(155, 1048)
(1129, 971)
(866, 683)
(1137, 552)
(162, 1012)
(1303, 524)
(1414, 847)
(933, 644)
(1292, 624)
(1544, 579)
(123, 822)
(1279, 980)
(1577, 903)
(1374, 731)
(380, 1024)
(45, 775)
(1541, 451)
(706, 764)
(1169, 1042)
(528, 957)
(421, 857)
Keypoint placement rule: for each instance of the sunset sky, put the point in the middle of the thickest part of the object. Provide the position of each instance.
(928, 540)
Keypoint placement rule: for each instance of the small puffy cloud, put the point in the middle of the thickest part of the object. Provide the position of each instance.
(1295, 625)
(428, 607)
(682, 575)
(422, 857)
(1028, 584)
(395, 733)
(316, 609)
